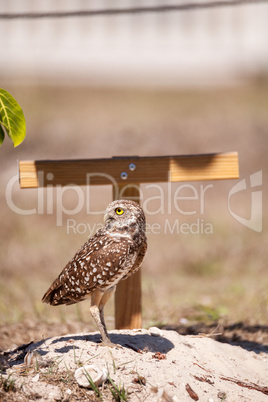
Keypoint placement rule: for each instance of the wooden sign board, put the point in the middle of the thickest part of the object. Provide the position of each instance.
(137, 170)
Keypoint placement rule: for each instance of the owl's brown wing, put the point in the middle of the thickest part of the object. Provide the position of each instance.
(100, 263)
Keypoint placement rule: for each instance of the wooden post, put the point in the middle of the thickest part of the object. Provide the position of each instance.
(128, 292)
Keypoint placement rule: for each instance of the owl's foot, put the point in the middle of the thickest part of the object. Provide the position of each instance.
(107, 342)
(110, 344)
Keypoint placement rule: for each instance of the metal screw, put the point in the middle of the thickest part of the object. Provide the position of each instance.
(123, 176)
(50, 176)
(132, 167)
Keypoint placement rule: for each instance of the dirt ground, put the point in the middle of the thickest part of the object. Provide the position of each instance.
(152, 365)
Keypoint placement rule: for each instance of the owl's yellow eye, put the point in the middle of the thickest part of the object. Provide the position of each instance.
(119, 211)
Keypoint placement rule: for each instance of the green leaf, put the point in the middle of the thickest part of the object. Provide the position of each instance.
(2, 134)
(12, 121)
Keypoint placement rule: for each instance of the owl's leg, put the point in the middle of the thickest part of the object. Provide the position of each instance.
(106, 296)
(98, 300)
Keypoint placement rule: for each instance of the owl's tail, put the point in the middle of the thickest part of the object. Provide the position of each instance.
(52, 294)
(55, 295)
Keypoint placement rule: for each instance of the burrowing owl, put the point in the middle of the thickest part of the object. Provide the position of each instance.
(115, 252)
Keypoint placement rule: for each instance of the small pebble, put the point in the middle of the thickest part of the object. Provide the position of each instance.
(154, 331)
(35, 378)
(98, 374)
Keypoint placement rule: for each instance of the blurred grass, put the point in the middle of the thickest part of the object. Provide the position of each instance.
(193, 277)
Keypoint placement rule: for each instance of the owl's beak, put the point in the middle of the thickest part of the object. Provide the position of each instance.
(107, 216)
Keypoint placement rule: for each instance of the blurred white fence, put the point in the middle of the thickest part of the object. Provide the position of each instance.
(200, 46)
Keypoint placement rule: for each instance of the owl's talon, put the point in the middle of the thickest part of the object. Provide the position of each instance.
(110, 344)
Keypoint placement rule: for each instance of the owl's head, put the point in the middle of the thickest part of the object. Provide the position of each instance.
(124, 216)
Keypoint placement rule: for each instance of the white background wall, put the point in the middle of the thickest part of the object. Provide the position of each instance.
(201, 46)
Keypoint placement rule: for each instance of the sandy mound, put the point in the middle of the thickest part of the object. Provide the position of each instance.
(150, 365)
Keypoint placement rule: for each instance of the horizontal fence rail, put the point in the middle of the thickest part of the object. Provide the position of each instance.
(132, 169)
